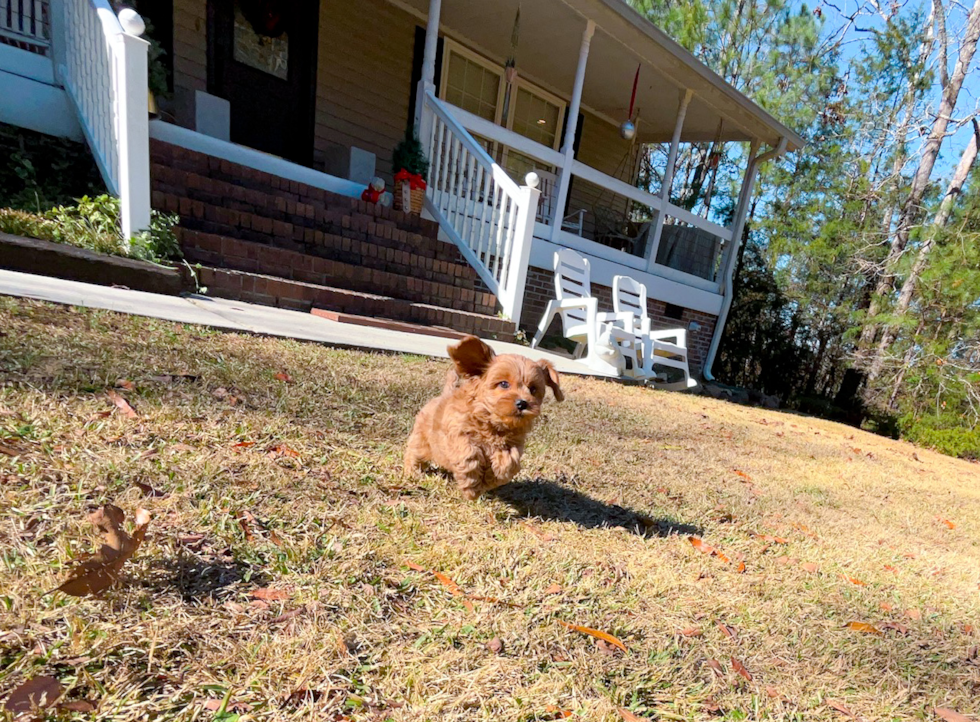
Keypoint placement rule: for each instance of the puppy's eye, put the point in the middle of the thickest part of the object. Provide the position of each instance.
(533, 390)
(504, 384)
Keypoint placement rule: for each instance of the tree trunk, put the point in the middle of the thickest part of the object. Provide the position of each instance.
(911, 208)
(963, 169)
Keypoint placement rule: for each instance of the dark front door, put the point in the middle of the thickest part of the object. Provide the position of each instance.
(262, 59)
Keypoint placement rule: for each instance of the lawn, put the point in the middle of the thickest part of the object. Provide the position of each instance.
(290, 572)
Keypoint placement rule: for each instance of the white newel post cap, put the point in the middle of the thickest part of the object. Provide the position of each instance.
(532, 180)
(131, 22)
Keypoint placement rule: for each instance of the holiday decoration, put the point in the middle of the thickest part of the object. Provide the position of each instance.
(375, 193)
(267, 17)
(411, 167)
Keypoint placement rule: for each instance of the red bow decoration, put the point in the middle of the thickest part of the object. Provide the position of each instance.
(415, 180)
(370, 195)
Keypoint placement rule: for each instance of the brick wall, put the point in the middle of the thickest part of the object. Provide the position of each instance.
(540, 289)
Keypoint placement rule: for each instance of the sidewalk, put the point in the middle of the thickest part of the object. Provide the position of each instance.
(249, 318)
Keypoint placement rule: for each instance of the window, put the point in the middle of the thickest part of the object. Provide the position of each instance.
(472, 87)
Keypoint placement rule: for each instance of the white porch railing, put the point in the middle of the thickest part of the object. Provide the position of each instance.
(479, 206)
(104, 71)
(25, 24)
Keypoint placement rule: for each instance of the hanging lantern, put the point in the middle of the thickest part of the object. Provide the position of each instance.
(628, 129)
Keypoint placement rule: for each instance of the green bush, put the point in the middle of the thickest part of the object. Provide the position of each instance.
(946, 433)
(93, 223)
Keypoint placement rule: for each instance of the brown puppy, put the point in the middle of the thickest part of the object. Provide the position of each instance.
(476, 428)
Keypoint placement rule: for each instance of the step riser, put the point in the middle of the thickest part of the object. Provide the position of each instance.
(270, 291)
(257, 258)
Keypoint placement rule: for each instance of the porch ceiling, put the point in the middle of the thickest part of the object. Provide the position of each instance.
(550, 36)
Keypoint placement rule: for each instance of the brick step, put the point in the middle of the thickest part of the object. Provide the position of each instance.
(333, 227)
(234, 254)
(300, 296)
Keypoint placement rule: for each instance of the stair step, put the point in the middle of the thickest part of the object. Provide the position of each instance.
(297, 295)
(387, 324)
(231, 253)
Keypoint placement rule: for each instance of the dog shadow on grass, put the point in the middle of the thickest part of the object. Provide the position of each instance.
(203, 580)
(551, 501)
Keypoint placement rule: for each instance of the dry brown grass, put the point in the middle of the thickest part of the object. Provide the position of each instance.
(613, 484)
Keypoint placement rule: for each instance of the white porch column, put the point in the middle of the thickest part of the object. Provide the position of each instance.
(568, 149)
(428, 81)
(668, 178)
(134, 134)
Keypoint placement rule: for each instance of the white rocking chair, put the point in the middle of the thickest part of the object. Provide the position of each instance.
(607, 337)
(667, 347)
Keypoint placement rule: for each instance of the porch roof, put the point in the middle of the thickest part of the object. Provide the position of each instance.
(548, 50)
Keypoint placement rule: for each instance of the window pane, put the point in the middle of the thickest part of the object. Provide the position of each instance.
(472, 87)
(536, 118)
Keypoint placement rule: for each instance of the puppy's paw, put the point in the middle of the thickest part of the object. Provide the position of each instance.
(506, 464)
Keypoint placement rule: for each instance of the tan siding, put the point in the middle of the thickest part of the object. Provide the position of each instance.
(603, 149)
(190, 56)
(364, 79)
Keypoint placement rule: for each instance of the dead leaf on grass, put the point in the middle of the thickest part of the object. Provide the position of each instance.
(947, 522)
(741, 670)
(149, 490)
(729, 632)
(284, 377)
(630, 717)
(268, 594)
(707, 548)
(122, 405)
(35, 693)
(287, 616)
(598, 634)
(243, 445)
(282, 450)
(913, 614)
(742, 474)
(896, 627)
(540, 534)
(125, 384)
(853, 580)
(79, 705)
(691, 632)
(558, 712)
(890, 568)
(716, 667)
(448, 583)
(839, 706)
(809, 567)
(495, 645)
(771, 539)
(101, 570)
(863, 627)
(951, 715)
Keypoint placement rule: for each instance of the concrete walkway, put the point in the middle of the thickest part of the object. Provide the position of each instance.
(249, 318)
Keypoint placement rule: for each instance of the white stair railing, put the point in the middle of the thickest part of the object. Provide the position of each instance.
(104, 70)
(24, 24)
(479, 206)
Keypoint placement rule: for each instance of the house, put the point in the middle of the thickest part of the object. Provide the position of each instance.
(281, 111)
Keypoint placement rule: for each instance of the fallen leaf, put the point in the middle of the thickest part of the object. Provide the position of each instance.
(947, 522)
(149, 490)
(495, 645)
(890, 568)
(740, 668)
(122, 404)
(951, 715)
(772, 539)
(809, 567)
(596, 633)
(268, 594)
(743, 475)
(553, 589)
(895, 626)
(243, 522)
(282, 450)
(558, 712)
(630, 717)
(863, 627)
(729, 632)
(125, 384)
(284, 377)
(448, 583)
(913, 614)
(707, 548)
(773, 693)
(102, 569)
(78, 705)
(35, 693)
(542, 535)
(716, 667)
(886, 606)
(741, 568)
(839, 706)
(244, 444)
(691, 632)
(287, 616)
(606, 648)
(853, 580)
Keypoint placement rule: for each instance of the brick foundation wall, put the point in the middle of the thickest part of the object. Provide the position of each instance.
(370, 249)
(540, 289)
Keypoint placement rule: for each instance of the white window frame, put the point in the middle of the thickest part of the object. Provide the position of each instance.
(451, 46)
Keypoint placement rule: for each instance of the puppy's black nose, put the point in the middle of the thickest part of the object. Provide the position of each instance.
(521, 404)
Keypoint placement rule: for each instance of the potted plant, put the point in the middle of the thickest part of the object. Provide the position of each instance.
(411, 167)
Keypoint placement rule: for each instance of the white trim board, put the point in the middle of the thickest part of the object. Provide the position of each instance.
(27, 64)
(251, 158)
(37, 106)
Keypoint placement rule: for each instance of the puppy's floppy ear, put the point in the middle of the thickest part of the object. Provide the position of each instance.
(552, 379)
(471, 356)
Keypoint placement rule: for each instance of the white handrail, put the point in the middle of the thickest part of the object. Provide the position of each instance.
(478, 205)
(499, 134)
(104, 71)
(25, 22)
